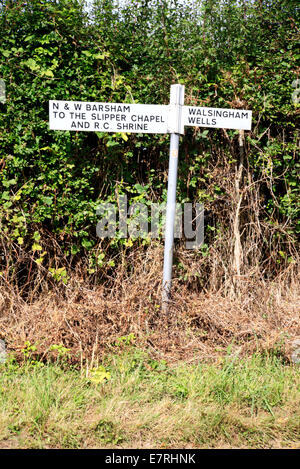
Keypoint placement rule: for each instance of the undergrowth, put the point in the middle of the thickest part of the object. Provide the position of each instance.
(89, 320)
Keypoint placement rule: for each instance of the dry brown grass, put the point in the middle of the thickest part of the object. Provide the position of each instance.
(260, 315)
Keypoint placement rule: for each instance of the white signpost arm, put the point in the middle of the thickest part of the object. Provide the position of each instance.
(175, 127)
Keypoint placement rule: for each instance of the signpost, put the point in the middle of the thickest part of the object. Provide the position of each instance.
(149, 118)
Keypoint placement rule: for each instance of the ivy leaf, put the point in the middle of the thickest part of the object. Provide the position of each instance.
(31, 63)
(47, 73)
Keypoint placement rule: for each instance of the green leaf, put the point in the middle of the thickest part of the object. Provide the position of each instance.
(48, 73)
(31, 63)
(36, 247)
(47, 200)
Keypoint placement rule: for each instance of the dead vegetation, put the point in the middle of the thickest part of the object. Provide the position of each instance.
(202, 322)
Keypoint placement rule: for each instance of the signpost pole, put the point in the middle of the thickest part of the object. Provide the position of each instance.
(148, 118)
(175, 128)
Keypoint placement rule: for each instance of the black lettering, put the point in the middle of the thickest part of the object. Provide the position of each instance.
(79, 115)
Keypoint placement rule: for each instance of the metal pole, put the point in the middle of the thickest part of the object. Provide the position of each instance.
(175, 128)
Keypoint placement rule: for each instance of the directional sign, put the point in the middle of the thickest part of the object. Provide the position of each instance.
(140, 118)
(108, 117)
(217, 118)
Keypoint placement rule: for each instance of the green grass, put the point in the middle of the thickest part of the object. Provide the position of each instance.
(133, 401)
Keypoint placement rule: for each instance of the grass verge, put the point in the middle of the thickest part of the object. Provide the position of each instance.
(133, 401)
